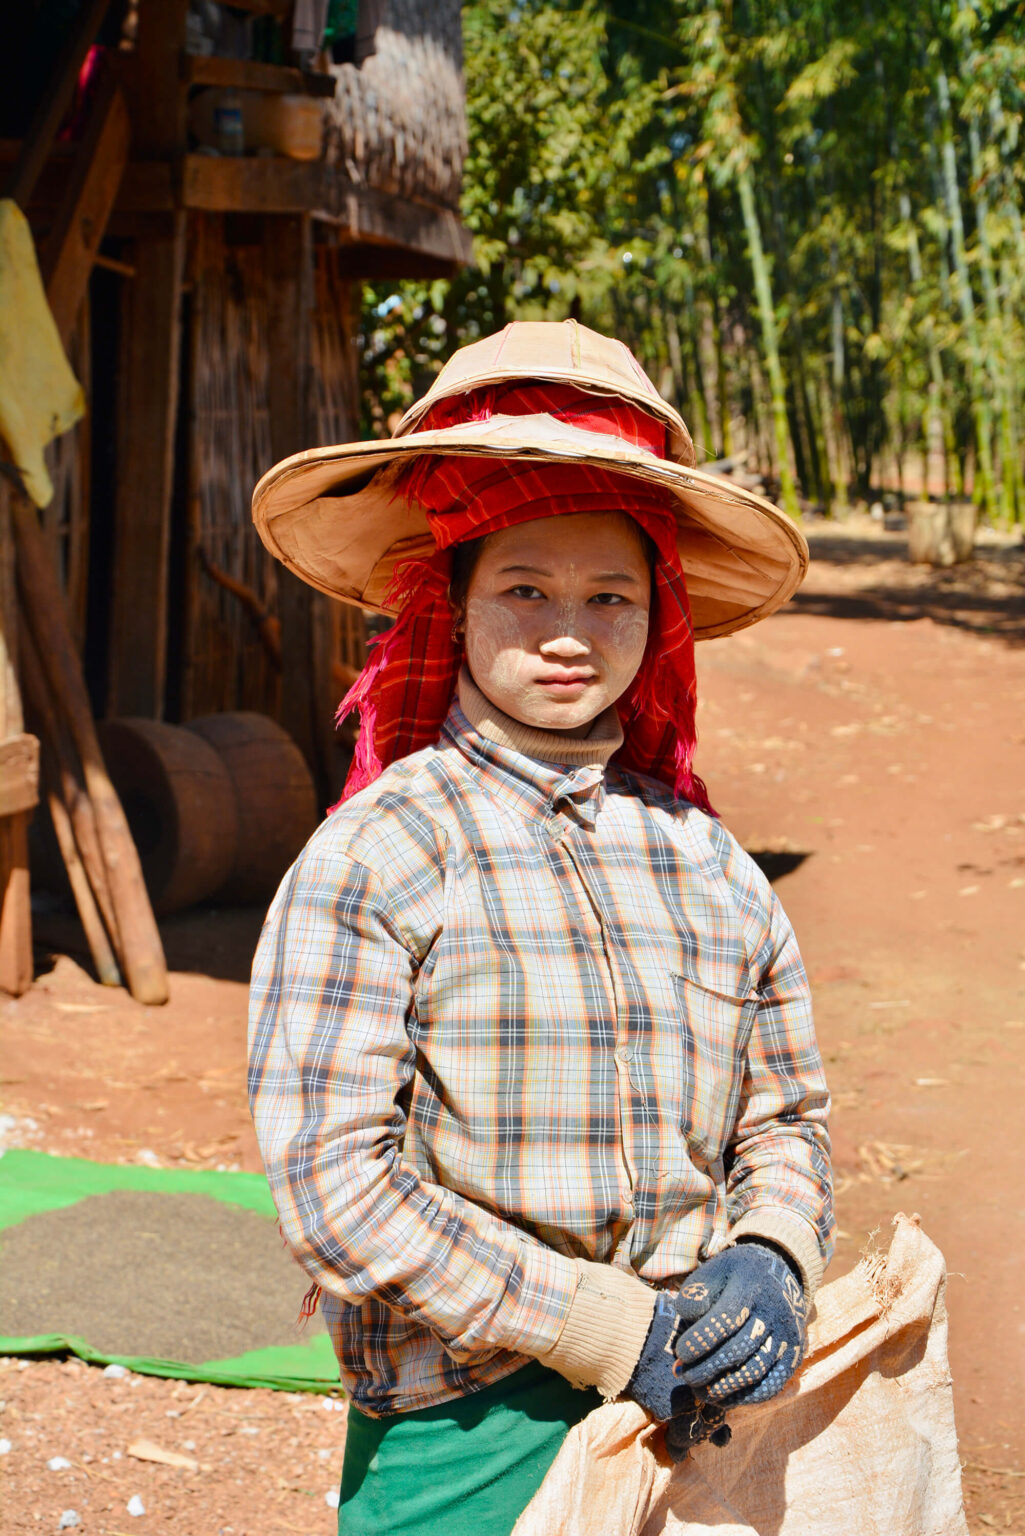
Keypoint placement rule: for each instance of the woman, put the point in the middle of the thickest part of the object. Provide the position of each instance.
(532, 1062)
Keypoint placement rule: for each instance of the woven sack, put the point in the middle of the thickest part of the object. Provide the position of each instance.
(863, 1441)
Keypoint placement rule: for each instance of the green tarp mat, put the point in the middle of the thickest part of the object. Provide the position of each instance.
(168, 1272)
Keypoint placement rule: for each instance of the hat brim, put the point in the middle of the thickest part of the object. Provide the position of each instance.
(332, 515)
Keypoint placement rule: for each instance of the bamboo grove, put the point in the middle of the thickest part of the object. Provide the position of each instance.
(806, 219)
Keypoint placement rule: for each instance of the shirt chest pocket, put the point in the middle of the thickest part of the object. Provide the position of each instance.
(714, 1032)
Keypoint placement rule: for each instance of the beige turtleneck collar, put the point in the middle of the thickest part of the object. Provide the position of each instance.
(594, 747)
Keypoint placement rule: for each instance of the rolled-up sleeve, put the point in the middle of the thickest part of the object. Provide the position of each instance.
(330, 1060)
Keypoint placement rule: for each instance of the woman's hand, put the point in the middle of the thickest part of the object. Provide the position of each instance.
(743, 1316)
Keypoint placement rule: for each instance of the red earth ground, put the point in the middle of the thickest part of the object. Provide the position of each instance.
(869, 743)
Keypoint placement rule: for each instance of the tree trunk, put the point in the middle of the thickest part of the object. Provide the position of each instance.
(979, 395)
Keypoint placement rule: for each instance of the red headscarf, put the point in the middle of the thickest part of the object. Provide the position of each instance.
(404, 691)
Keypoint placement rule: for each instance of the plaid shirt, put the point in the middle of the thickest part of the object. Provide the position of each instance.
(504, 1015)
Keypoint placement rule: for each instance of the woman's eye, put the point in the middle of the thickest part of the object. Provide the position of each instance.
(524, 590)
(607, 599)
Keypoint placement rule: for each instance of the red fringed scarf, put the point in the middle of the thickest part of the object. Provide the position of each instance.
(404, 691)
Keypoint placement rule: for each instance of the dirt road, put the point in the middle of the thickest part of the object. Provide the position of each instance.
(869, 744)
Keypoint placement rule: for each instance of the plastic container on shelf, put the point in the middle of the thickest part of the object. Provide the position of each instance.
(240, 122)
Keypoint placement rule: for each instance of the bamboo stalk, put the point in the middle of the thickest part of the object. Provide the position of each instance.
(979, 393)
(140, 953)
(767, 316)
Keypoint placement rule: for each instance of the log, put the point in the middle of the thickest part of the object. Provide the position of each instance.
(141, 953)
(15, 910)
(74, 823)
(275, 803)
(180, 805)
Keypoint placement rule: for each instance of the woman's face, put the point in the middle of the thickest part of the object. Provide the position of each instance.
(557, 617)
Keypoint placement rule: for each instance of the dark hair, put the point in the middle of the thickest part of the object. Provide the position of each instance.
(464, 563)
(466, 555)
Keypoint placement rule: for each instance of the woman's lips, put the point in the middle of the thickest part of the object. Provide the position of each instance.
(571, 684)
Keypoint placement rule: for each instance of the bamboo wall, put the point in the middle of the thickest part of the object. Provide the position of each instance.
(228, 660)
(398, 120)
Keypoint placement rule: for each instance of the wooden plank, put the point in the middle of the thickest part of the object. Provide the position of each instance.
(55, 101)
(251, 75)
(157, 93)
(145, 441)
(19, 774)
(251, 184)
(362, 215)
(71, 246)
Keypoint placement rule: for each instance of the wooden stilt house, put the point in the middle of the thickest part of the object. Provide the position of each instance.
(207, 187)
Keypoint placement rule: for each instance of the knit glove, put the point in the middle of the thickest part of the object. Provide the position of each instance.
(656, 1385)
(742, 1334)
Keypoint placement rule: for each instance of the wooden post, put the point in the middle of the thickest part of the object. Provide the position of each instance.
(151, 351)
(288, 249)
(158, 95)
(18, 772)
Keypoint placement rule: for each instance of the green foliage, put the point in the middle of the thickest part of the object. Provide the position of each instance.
(805, 220)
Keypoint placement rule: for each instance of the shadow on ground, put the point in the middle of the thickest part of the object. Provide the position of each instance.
(866, 578)
(207, 941)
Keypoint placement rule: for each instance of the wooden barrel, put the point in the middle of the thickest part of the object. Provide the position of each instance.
(275, 801)
(180, 806)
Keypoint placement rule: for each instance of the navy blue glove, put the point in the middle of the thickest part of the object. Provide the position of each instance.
(742, 1318)
(656, 1385)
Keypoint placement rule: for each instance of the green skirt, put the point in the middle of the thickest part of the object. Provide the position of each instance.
(466, 1468)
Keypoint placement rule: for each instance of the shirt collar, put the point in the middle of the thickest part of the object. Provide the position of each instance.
(537, 787)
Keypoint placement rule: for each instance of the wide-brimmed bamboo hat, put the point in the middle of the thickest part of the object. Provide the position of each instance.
(335, 517)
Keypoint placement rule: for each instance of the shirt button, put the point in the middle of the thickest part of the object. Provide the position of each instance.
(622, 1053)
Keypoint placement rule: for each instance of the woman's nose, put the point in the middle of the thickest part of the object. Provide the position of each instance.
(566, 646)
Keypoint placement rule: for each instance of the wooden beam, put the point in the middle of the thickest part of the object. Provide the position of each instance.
(151, 351)
(72, 244)
(362, 215)
(55, 101)
(288, 256)
(251, 75)
(157, 93)
(367, 216)
(250, 184)
(277, 8)
(370, 263)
